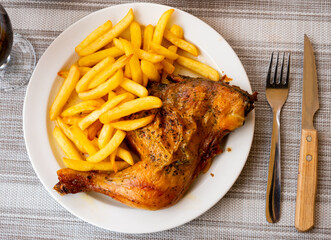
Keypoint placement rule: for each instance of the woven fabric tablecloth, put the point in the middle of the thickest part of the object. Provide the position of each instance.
(254, 29)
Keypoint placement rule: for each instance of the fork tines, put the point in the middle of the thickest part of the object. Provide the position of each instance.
(277, 81)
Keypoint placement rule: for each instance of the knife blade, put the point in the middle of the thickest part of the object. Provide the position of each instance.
(307, 172)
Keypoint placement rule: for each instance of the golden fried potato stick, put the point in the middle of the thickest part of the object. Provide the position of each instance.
(82, 71)
(130, 107)
(118, 44)
(66, 130)
(71, 120)
(148, 36)
(63, 95)
(167, 66)
(86, 166)
(66, 145)
(151, 57)
(134, 88)
(81, 139)
(108, 36)
(127, 47)
(108, 71)
(198, 67)
(127, 71)
(106, 134)
(136, 72)
(150, 70)
(82, 107)
(130, 125)
(94, 58)
(94, 35)
(112, 160)
(161, 25)
(142, 54)
(93, 129)
(163, 51)
(93, 116)
(186, 46)
(173, 49)
(145, 80)
(177, 30)
(110, 147)
(104, 88)
(125, 155)
(84, 82)
(135, 32)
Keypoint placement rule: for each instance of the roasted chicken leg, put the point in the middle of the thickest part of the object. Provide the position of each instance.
(178, 145)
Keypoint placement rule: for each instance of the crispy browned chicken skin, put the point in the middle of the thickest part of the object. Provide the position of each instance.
(178, 145)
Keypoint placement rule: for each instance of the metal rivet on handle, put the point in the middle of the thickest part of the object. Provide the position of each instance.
(309, 157)
(309, 138)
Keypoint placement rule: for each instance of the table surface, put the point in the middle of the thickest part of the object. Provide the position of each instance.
(254, 29)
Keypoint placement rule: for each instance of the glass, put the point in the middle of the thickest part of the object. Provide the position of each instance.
(17, 56)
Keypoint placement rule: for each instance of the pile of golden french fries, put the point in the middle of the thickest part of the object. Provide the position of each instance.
(109, 80)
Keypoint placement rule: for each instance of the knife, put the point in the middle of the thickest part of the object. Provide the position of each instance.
(307, 175)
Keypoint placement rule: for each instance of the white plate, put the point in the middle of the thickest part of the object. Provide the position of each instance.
(101, 210)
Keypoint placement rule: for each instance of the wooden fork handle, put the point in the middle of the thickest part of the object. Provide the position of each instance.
(307, 181)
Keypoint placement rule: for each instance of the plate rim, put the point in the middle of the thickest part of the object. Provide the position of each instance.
(25, 116)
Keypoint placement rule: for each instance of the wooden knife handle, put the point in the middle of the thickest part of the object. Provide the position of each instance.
(307, 181)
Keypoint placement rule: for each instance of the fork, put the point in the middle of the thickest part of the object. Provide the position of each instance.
(276, 94)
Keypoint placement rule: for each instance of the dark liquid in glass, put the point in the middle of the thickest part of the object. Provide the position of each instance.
(6, 35)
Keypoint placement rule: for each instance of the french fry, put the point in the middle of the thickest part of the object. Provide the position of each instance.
(177, 30)
(142, 54)
(128, 108)
(104, 88)
(93, 116)
(63, 95)
(198, 67)
(186, 46)
(81, 139)
(127, 71)
(93, 129)
(134, 88)
(127, 46)
(163, 51)
(110, 147)
(130, 125)
(150, 70)
(66, 145)
(84, 82)
(82, 71)
(167, 66)
(151, 57)
(148, 36)
(66, 129)
(108, 72)
(125, 155)
(71, 120)
(108, 36)
(112, 160)
(86, 166)
(118, 44)
(96, 57)
(171, 48)
(145, 80)
(94, 35)
(82, 107)
(111, 94)
(136, 72)
(135, 32)
(161, 25)
(106, 134)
